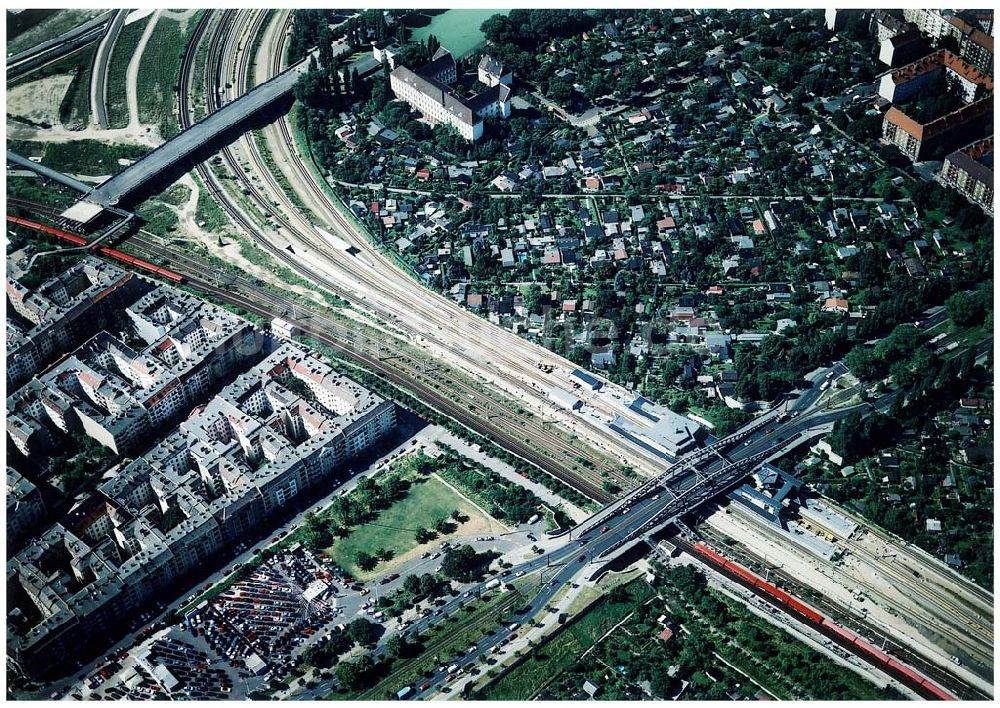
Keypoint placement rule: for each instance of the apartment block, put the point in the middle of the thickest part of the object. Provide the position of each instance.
(285, 426)
(970, 171)
(62, 312)
(119, 395)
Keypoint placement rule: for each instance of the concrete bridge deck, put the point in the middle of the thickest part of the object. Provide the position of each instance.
(201, 134)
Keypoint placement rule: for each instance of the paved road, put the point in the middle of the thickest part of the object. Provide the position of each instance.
(99, 74)
(575, 554)
(53, 49)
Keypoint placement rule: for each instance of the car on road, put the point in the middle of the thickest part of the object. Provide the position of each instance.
(581, 559)
(605, 529)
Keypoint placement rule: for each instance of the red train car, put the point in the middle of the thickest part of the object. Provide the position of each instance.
(103, 250)
(877, 654)
(140, 263)
(845, 636)
(51, 230)
(804, 610)
(906, 671)
(776, 593)
(937, 691)
(710, 554)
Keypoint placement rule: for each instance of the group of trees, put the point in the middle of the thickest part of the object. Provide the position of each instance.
(856, 436)
(367, 561)
(329, 86)
(363, 503)
(80, 462)
(360, 632)
(465, 564)
(501, 498)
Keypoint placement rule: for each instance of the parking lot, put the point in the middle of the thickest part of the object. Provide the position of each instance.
(262, 621)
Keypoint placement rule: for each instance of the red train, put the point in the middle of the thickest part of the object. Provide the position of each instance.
(103, 250)
(842, 636)
(58, 233)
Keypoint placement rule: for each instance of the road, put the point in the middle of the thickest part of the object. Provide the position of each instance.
(58, 47)
(582, 552)
(99, 73)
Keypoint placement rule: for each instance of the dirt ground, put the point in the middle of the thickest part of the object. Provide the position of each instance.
(38, 101)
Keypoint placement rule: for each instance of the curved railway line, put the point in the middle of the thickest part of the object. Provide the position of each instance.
(323, 204)
(484, 410)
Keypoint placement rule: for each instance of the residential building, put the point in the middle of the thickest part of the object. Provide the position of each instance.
(970, 171)
(919, 141)
(63, 311)
(286, 426)
(117, 395)
(492, 73)
(25, 509)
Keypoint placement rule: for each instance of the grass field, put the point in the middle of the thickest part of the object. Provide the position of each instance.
(210, 214)
(176, 195)
(74, 111)
(159, 72)
(87, 157)
(121, 55)
(428, 501)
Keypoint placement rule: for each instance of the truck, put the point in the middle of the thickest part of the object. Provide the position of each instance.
(495, 583)
(534, 519)
(404, 693)
(453, 669)
(825, 385)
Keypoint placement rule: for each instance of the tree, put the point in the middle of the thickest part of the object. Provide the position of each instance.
(966, 308)
(361, 632)
(411, 583)
(464, 563)
(315, 533)
(356, 674)
(422, 535)
(366, 561)
(393, 645)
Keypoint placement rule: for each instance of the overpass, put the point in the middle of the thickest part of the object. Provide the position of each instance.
(57, 47)
(176, 155)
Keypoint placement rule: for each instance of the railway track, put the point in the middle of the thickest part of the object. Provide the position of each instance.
(537, 435)
(962, 622)
(844, 616)
(502, 359)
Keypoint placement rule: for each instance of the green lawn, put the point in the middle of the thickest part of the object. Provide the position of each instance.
(428, 501)
(159, 73)
(74, 111)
